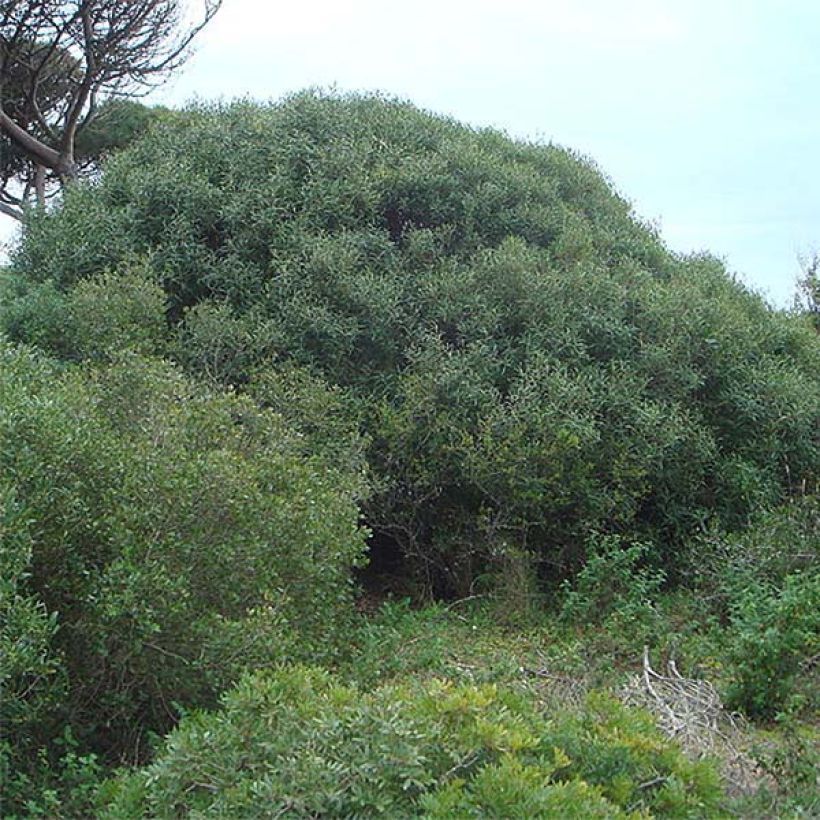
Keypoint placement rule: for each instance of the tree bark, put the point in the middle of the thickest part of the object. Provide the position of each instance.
(40, 185)
(38, 151)
(14, 213)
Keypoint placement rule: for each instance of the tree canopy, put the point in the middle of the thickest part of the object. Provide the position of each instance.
(59, 61)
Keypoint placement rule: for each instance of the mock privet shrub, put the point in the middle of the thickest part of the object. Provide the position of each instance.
(26, 629)
(778, 543)
(326, 418)
(159, 538)
(530, 362)
(214, 344)
(30, 683)
(761, 584)
(298, 742)
(60, 782)
(35, 314)
(114, 312)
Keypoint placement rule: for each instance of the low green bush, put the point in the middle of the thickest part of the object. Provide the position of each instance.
(396, 641)
(615, 582)
(515, 790)
(777, 543)
(296, 742)
(761, 585)
(56, 782)
(620, 751)
(773, 645)
(791, 759)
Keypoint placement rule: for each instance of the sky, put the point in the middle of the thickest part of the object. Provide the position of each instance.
(704, 115)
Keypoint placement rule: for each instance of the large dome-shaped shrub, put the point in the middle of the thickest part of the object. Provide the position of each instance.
(525, 358)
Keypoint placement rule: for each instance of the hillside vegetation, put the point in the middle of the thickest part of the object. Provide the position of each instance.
(273, 341)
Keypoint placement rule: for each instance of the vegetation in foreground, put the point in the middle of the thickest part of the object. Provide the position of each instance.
(270, 337)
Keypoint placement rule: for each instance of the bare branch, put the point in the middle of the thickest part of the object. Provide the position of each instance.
(8, 210)
(690, 711)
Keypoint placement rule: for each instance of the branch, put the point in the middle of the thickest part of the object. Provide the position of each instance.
(45, 59)
(38, 115)
(82, 92)
(14, 213)
(38, 151)
(11, 199)
(40, 185)
(91, 112)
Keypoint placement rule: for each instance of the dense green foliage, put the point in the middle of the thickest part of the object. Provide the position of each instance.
(776, 637)
(764, 583)
(527, 361)
(102, 316)
(158, 539)
(262, 324)
(300, 744)
(116, 124)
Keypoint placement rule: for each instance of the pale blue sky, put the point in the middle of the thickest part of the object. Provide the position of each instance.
(704, 114)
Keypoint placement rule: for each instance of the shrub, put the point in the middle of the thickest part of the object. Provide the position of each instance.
(792, 761)
(173, 536)
(327, 419)
(615, 581)
(297, 742)
(26, 628)
(35, 314)
(723, 567)
(528, 361)
(115, 312)
(103, 315)
(214, 344)
(512, 789)
(620, 751)
(773, 643)
(60, 782)
(30, 683)
(761, 584)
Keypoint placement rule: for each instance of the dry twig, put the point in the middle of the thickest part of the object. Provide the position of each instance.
(690, 711)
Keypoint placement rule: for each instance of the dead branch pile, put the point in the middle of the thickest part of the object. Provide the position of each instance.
(690, 711)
